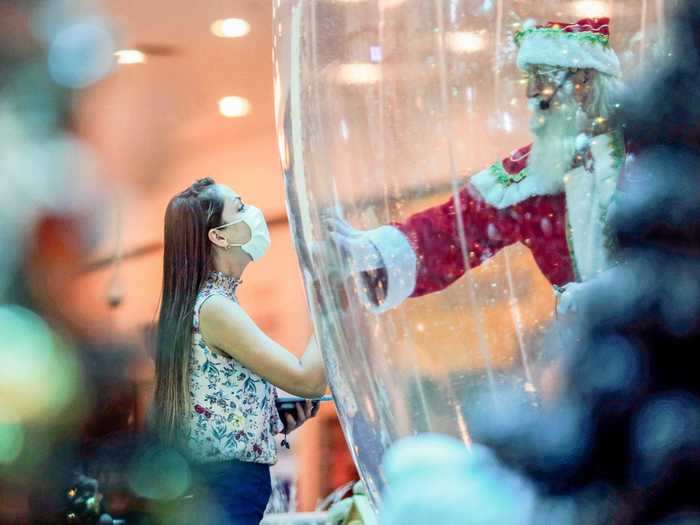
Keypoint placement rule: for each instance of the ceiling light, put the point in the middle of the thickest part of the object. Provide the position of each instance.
(592, 8)
(382, 4)
(233, 107)
(465, 42)
(230, 28)
(358, 73)
(388, 4)
(130, 56)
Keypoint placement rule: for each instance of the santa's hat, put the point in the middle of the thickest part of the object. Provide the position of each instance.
(584, 44)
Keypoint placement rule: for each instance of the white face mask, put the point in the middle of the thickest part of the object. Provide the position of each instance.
(259, 241)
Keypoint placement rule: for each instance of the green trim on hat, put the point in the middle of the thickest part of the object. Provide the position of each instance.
(586, 36)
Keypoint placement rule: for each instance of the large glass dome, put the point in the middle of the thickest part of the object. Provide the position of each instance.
(436, 246)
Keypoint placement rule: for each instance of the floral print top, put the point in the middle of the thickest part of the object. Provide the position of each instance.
(233, 413)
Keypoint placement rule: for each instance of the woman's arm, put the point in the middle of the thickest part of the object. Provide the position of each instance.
(226, 326)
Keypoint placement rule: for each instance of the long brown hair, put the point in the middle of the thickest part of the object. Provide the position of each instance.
(187, 261)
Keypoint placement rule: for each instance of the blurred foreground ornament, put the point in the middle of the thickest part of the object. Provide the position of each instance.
(80, 42)
(11, 441)
(81, 53)
(46, 169)
(46, 211)
(84, 503)
(39, 376)
(159, 474)
(435, 479)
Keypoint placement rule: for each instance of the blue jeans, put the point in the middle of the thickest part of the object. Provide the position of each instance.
(240, 489)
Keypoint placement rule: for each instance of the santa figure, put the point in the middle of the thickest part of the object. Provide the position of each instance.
(553, 196)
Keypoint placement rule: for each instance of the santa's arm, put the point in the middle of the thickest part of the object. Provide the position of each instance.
(444, 247)
(431, 249)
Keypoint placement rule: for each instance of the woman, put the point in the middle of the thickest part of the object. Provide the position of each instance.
(215, 369)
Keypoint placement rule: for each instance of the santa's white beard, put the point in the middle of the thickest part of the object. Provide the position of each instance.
(555, 131)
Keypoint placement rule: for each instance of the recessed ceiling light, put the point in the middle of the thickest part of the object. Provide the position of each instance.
(465, 42)
(232, 107)
(358, 73)
(230, 28)
(592, 8)
(382, 4)
(388, 4)
(130, 56)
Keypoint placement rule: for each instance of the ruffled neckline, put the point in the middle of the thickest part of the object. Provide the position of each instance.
(226, 282)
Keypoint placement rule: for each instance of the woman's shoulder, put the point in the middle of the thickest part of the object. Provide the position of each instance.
(210, 301)
(220, 312)
(206, 292)
(216, 304)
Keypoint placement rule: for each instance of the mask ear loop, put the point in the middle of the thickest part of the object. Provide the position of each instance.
(229, 244)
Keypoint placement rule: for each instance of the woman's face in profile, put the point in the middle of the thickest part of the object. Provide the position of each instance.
(238, 233)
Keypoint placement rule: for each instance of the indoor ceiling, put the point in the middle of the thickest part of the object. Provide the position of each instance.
(156, 125)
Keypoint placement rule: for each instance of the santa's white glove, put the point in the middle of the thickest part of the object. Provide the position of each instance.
(568, 297)
(355, 246)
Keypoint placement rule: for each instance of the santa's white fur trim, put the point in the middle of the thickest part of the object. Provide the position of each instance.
(588, 197)
(400, 264)
(561, 49)
(497, 194)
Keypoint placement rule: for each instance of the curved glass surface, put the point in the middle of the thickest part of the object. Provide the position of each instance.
(434, 243)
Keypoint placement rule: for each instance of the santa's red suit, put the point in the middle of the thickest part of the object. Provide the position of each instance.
(563, 222)
(564, 225)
